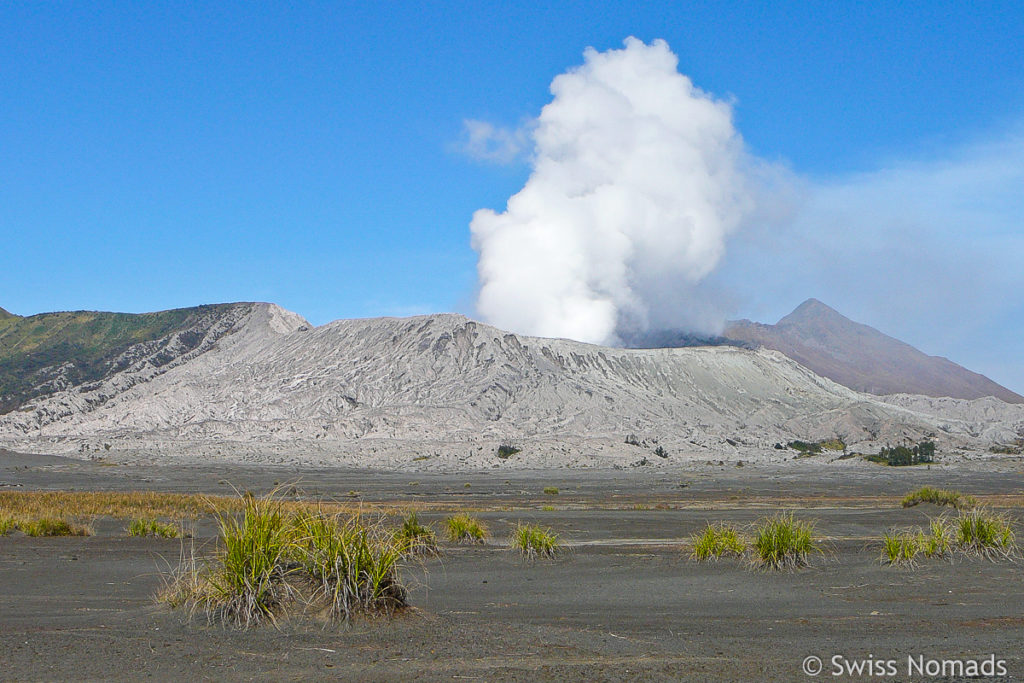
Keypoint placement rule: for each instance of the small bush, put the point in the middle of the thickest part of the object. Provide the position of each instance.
(717, 540)
(661, 452)
(507, 451)
(421, 538)
(783, 541)
(806, 447)
(551, 490)
(984, 533)
(928, 494)
(152, 527)
(462, 528)
(533, 541)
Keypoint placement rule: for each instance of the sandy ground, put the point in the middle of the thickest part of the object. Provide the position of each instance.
(624, 604)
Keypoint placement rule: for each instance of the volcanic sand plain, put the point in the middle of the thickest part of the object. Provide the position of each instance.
(624, 602)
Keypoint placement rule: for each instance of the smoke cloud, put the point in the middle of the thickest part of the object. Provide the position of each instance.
(637, 179)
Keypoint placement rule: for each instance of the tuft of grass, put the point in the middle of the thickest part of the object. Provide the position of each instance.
(984, 533)
(354, 565)
(420, 537)
(900, 549)
(150, 527)
(547, 508)
(269, 562)
(717, 540)
(551, 490)
(534, 541)
(940, 497)
(53, 526)
(462, 528)
(783, 542)
(7, 524)
(250, 579)
(937, 542)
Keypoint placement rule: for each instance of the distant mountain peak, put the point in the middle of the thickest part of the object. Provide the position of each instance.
(812, 310)
(862, 358)
(5, 314)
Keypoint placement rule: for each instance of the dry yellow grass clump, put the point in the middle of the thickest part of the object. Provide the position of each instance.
(150, 504)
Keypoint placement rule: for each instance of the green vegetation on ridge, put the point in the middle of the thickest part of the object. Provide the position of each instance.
(44, 353)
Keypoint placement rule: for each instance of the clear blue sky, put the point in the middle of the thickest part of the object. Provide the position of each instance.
(157, 155)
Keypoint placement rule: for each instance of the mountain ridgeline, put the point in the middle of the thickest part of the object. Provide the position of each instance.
(862, 358)
(255, 381)
(51, 352)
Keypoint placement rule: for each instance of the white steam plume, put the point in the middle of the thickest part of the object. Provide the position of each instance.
(637, 179)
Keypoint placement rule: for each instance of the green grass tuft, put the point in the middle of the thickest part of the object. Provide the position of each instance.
(462, 528)
(270, 562)
(928, 494)
(151, 527)
(984, 533)
(901, 549)
(533, 541)
(420, 537)
(717, 540)
(551, 490)
(783, 542)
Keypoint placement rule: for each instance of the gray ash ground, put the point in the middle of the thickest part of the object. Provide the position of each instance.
(624, 604)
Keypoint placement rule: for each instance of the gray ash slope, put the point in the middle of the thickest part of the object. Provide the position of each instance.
(377, 392)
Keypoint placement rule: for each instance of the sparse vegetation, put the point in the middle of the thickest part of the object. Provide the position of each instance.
(7, 524)
(900, 549)
(270, 562)
(977, 532)
(151, 527)
(52, 526)
(420, 537)
(155, 505)
(716, 541)
(84, 346)
(783, 542)
(936, 543)
(984, 533)
(462, 528)
(661, 452)
(901, 456)
(551, 490)
(815, 447)
(533, 541)
(928, 494)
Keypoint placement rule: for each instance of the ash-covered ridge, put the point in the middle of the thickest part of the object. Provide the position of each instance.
(376, 391)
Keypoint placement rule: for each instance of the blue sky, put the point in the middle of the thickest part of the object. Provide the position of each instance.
(163, 155)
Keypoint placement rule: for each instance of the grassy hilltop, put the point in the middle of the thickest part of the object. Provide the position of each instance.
(44, 353)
